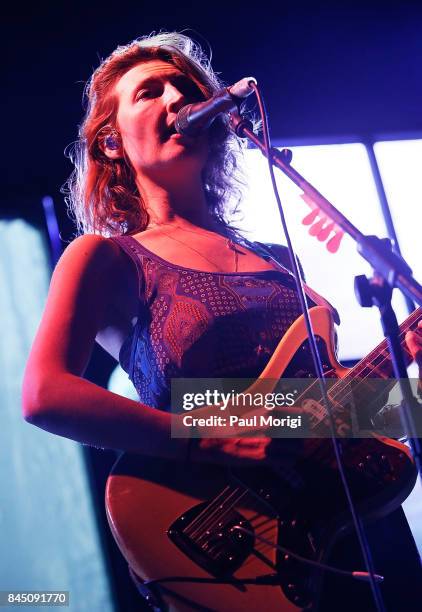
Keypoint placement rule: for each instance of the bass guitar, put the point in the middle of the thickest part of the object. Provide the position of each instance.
(195, 529)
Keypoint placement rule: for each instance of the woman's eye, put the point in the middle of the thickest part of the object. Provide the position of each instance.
(142, 94)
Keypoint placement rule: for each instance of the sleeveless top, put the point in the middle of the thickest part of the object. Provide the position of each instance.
(196, 324)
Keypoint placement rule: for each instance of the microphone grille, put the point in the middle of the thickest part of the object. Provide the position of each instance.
(181, 123)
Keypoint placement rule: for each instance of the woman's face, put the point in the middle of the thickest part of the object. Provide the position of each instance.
(149, 97)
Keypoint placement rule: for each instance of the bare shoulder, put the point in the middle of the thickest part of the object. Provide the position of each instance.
(86, 279)
(92, 250)
(95, 261)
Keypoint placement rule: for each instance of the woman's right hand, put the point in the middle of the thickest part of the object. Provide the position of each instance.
(235, 451)
(238, 444)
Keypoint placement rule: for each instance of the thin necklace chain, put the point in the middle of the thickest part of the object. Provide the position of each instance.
(229, 243)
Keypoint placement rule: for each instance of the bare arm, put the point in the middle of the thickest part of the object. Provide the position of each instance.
(54, 396)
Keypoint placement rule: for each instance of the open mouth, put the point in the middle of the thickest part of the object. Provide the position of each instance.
(170, 131)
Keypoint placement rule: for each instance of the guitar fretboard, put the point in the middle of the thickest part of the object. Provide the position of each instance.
(378, 362)
(372, 377)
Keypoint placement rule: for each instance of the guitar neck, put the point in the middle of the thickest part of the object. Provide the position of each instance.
(369, 380)
(378, 363)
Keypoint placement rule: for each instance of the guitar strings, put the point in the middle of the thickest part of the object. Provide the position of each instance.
(211, 511)
(209, 508)
(342, 383)
(223, 514)
(219, 518)
(210, 515)
(376, 351)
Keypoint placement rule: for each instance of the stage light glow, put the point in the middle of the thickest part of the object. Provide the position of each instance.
(400, 162)
(47, 520)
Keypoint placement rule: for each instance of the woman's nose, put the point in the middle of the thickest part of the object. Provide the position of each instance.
(174, 99)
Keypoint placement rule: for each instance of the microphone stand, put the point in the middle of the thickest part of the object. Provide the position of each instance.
(390, 271)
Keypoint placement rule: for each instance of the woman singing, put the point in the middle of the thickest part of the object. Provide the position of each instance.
(158, 277)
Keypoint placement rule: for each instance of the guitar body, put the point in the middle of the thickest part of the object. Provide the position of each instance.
(181, 525)
(146, 496)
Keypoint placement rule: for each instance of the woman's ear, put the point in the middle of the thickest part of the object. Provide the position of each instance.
(111, 144)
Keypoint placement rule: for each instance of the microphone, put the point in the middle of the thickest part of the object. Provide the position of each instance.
(193, 119)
